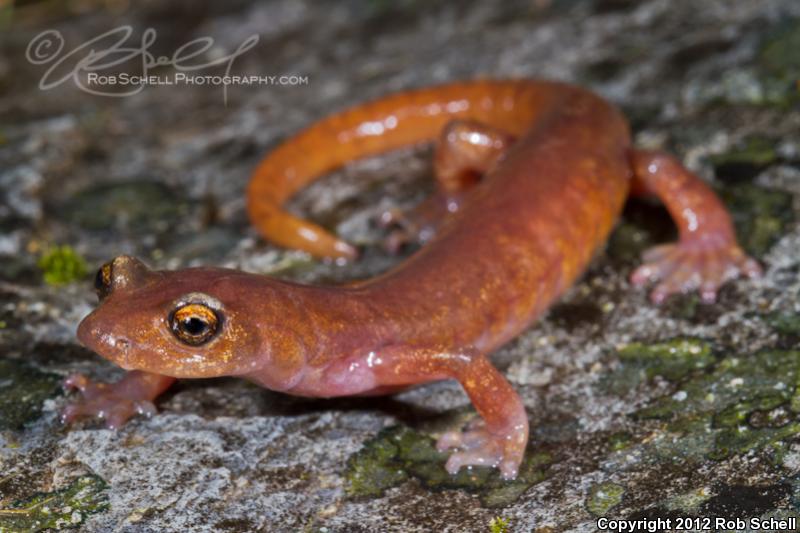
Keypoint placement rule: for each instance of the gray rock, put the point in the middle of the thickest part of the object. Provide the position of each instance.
(624, 423)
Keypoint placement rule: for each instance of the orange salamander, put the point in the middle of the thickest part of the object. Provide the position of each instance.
(531, 176)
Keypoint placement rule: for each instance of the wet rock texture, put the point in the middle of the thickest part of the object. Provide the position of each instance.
(688, 409)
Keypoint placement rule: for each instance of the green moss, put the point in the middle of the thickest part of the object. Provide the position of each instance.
(735, 441)
(735, 380)
(498, 525)
(620, 441)
(717, 407)
(778, 53)
(780, 65)
(755, 151)
(65, 508)
(742, 405)
(760, 215)
(688, 502)
(672, 359)
(137, 206)
(23, 390)
(62, 264)
(376, 467)
(772, 79)
(397, 453)
(603, 497)
(784, 323)
(737, 414)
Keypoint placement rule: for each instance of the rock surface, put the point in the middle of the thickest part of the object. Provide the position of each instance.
(687, 409)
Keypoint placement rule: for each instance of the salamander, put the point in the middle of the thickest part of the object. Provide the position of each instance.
(531, 177)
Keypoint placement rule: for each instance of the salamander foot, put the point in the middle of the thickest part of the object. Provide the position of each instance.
(478, 446)
(116, 402)
(690, 265)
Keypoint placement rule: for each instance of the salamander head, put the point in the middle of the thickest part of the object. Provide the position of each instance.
(189, 323)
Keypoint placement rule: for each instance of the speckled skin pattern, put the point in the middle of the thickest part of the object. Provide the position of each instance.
(557, 166)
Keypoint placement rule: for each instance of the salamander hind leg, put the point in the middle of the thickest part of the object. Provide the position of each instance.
(115, 402)
(465, 151)
(706, 254)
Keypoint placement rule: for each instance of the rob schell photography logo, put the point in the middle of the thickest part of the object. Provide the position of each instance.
(114, 64)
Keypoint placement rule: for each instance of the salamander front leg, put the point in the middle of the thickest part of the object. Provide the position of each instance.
(115, 402)
(706, 254)
(465, 151)
(497, 440)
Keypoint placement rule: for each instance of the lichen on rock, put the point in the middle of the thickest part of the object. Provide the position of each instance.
(23, 391)
(65, 508)
(398, 453)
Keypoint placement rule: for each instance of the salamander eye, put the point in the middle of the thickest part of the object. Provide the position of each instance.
(102, 281)
(194, 324)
